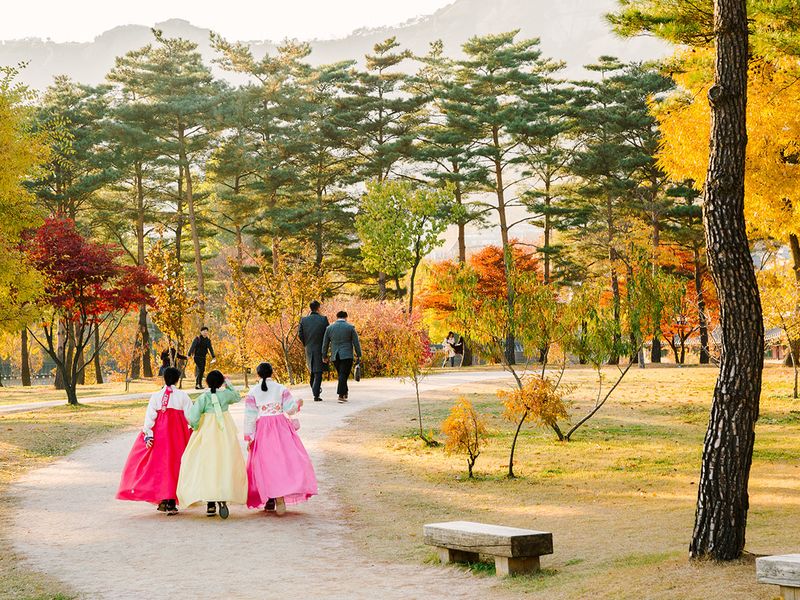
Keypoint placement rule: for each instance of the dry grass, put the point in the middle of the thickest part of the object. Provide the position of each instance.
(30, 440)
(44, 393)
(619, 498)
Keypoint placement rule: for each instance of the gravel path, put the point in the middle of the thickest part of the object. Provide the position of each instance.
(73, 529)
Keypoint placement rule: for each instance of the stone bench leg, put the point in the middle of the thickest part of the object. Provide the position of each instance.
(448, 555)
(790, 593)
(517, 566)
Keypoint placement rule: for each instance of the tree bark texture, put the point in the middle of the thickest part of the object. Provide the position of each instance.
(25, 359)
(722, 499)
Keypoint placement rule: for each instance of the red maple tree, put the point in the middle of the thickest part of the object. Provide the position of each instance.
(85, 296)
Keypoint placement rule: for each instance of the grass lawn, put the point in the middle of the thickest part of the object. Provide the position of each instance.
(619, 498)
(30, 440)
(45, 393)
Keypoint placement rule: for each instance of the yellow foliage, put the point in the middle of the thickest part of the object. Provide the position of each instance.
(772, 184)
(22, 153)
(465, 431)
(174, 302)
(539, 399)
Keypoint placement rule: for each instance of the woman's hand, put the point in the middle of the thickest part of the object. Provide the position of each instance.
(299, 404)
(249, 445)
(148, 441)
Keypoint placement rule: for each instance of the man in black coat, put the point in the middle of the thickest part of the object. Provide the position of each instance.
(199, 350)
(312, 330)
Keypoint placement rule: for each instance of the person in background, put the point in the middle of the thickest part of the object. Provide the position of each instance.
(311, 333)
(341, 338)
(199, 350)
(449, 347)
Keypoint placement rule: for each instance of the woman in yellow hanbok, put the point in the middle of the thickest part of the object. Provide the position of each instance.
(212, 467)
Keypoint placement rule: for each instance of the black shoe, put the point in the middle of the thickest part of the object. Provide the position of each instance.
(211, 509)
(171, 508)
(317, 399)
(198, 387)
(162, 506)
(270, 505)
(223, 510)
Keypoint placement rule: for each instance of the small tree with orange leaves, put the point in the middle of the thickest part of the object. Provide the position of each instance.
(465, 432)
(539, 400)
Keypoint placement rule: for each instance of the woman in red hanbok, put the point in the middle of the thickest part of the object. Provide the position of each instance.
(151, 471)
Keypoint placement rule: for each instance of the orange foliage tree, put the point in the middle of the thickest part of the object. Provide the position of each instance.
(539, 399)
(437, 300)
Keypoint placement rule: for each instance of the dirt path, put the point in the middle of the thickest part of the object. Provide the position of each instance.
(72, 528)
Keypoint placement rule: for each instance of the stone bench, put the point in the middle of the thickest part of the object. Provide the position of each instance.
(783, 570)
(515, 551)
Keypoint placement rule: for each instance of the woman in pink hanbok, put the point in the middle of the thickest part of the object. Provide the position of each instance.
(279, 471)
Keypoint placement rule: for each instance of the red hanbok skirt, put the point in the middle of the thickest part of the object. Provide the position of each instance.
(151, 474)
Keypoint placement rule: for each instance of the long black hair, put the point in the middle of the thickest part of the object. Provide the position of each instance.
(264, 370)
(215, 380)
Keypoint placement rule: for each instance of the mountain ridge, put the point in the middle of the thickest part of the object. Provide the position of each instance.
(569, 30)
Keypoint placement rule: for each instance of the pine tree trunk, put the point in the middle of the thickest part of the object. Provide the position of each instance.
(655, 349)
(198, 257)
(794, 246)
(722, 499)
(705, 354)
(147, 345)
(547, 231)
(614, 358)
(462, 226)
(612, 257)
(466, 357)
(135, 372)
(634, 356)
(147, 365)
(25, 359)
(98, 370)
(318, 240)
(508, 255)
(179, 216)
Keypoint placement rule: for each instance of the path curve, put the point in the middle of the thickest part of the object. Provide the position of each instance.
(72, 528)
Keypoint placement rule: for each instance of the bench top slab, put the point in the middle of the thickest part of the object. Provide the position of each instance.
(783, 569)
(497, 540)
(482, 528)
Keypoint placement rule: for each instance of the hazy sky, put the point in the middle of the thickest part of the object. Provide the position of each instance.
(82, 20)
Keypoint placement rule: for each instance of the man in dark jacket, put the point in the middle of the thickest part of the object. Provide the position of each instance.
(312, 330)
(199, 350)
(342, 340)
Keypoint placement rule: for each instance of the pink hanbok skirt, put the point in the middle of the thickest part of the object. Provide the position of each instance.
(151, 474)
(278, 464)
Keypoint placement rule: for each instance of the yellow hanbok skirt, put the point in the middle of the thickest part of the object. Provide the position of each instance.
(212, 467)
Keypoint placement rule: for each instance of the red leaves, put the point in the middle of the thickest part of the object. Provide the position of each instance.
(489, 266)
(83, 279)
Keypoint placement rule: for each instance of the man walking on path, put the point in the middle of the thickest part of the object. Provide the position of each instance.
(342, 339)
(201, 346)
(311, 333)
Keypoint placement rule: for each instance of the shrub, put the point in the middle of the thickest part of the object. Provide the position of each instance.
(384, 328)
(465, 432)
(538, 399)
